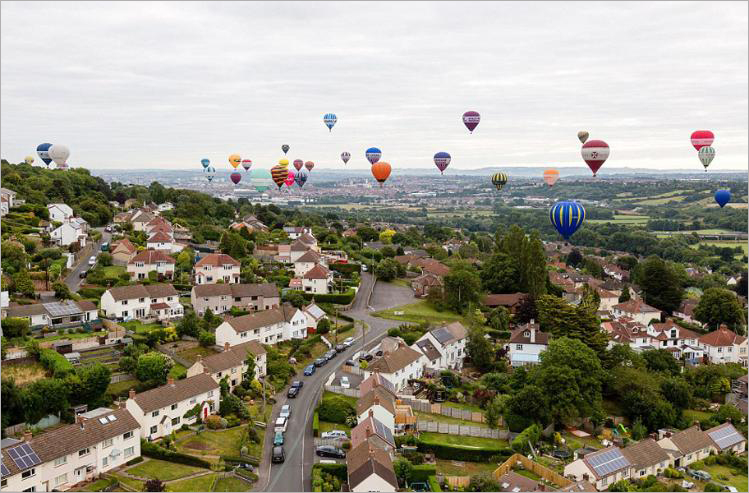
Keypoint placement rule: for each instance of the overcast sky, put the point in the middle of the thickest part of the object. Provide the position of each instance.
(162, 85)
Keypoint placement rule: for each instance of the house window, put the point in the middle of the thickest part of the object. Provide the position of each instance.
(105, 462)
(154, 414)
(124, 302)
(129, 451)
(83, 452)
(174, 406)
(175, 421)
(519, 347)
(153, 430)
(210, 393)
(234, 370)
(127, 435)
(33, 488)
(28, 473)
(142, 300)
(61, 460)
(4, 483)
(193, 400)
(107, 443)
(62, 478)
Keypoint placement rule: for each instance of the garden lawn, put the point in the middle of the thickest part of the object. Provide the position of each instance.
(163, 470)
(326, 426)
(328, 395)
(448, 468)
(469, 407)
(232, 484)
(738, 481)
(113, 271)
(200, 483)
(75, 335)
(97, 485)
(139, 327)
(463, 441)
(219, 442)
(177, 371)
(121, 388)
(440, 418)
(192, 353)
(419, 312)
(694, 415)
(132, 483)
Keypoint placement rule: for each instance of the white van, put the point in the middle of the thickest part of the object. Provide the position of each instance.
(281, 424)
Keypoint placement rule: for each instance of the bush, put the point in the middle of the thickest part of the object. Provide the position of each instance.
(422, 472)
(316, 425)
(93, 292)
(154, 451)
(672, 473)
(339, 299)
(247, 474)
(206, 339)
(55, 362)
(15, 327)
(214, 422)
(335, 410)
(232, 421)
(713, 487)
(434, 485)
(345, 268)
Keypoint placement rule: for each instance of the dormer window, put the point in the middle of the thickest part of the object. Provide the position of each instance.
(527, 333)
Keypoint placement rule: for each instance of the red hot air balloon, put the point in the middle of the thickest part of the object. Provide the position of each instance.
(702, 138)
(471, 120)
(290, 179)
(309, 165)
(595, 153)
(298, 163)
(246, 164)
(236, 177)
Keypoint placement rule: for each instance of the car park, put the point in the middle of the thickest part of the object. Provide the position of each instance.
(278, 438)
(345, 383)
(281, 424)
(285, 411)
(278, 455)
(329, 451)
(293, 392)
(310, 370)
(334, 434)
(340, 348)
(319, 362)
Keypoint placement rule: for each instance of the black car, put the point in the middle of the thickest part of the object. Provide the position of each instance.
(293, 392)
(340, 348)
(350, 362)
(297, 383)
(366, 357)
(278, 455)
(330, 354)
(320, 361)
(83, 274)
(328, 451)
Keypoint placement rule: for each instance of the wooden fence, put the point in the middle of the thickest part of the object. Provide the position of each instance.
(544, 472)
(458, 482)
(340, 390)
(462, 430)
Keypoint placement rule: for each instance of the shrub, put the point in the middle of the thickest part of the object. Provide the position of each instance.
(253, 435)
(713, 487)
(672, 473)
(154, 451)
(213, 422)
(55, 362)
(132, 462)
(345, 268)
(434, 485)
(316, 425)
(247, 474)
(335, 410)
(206, 339)
(232, 421)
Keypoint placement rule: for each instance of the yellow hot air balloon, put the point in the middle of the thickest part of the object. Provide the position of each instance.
(235, 160)
(551, 176)
(283, 162)
(29, 160)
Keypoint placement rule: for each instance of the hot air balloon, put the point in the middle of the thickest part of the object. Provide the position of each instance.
(290, 179)
(381, 171)
(329, 119)
(583, 136)
(442, 160)
(567, 217)
(551, 176)
(373, 154)
(499, 180)
(283, 162)
(345, 156)
(722, 197)
(309, 165)
(260, 179)
(235, 176)
(702, 138)
(301, 177)
(59, 154)
(234, 160)
(285, 148)
(298, 163)
(706, 155)
(29, 160)
(210, 172)
(43, 151)
(205, 163)
(279, 175)
(246, 164)
(471, 120)
(595, 153)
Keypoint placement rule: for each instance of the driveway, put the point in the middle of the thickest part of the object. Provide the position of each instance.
(73, 280)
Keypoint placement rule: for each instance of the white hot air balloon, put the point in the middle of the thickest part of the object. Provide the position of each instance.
(59, 154)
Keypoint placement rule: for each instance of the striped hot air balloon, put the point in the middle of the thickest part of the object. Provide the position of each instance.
(247, 164)
(595, 153)
(279, 174)
(567, 217)
(702, 138)
(499, 180)
(706, 155)
(330, 119)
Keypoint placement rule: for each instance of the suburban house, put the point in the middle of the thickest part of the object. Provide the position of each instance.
(251, 223)
(526, 345)
(724, 346)
(231, 363)
(514, 482)
(443, 347)
(297, 249)
(165, 409)
(147, 261)
(686, 311)
(431, 266)
(510, 301)
(601, 468)
(220, 298)
(314, 314)
(372, 430)
(398, 366)
(373, 381)
(122, 252)
(56, 314)
(608, 299)
(637, 310)
(425, 283)
(381, 403)
(7, 200)
(680, 342)
(316, 280)
(155, 301)
(295, 232)
(613, 270)
(267, 326)
(160, 241)
(626, 331)
(686, 446)
(59, 459)
(306, 262)
(647, 458)
(69, 232)
(59, 212)
(216, 267)
(727, 438)
(370, 468)
(140, 219)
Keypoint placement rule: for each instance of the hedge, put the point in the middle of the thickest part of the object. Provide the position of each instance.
(132, 462)
(316, 425)
(337, 470)
(249, 475)
(55, 362)
(345, 268)
(339, 299)
(182, 287)
(422, 472)
(156, 452)
(453, 452)
(91, 292)
(241, 460)
(434, 485)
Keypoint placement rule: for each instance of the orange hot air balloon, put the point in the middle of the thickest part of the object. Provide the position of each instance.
(381, 171)
(235, 160)
(551, 176)
(279, 174)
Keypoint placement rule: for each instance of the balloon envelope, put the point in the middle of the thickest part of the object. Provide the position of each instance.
(595, 153)
(309, 165)
(706, 155)
(499, 180)
(702, 138)
(345, 156)
(373, 154)
(442, 160)
(301, 177)
(59, 154)
(43, 151)
(279, 175)
(583, 136)
(210, 172)
(234, 160)
(381, 171)
(290, 179)
(567, 217)
(260, 179)
(551, 176)
(28, 160)
(285, 148)
(298, 163)
(330, 119)
(236, 177)
(205, 163)
(722, 197)
(471, 120)
(283, 162)
(246, 164)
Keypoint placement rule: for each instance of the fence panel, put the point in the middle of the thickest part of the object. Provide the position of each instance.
(340, 390)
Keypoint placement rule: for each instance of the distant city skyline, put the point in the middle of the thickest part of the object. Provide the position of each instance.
(161, 85)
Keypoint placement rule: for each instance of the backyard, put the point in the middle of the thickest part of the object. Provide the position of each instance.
(462, 468)
(440, 418)
(24, 373)
(419, 312)
(463, 441)
(219, 442)
(139, 327)
(163, 470)
(724, 475)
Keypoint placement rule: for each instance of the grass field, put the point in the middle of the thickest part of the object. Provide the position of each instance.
(120, 388)
(326, 426)
(132, 483)
(725, 243)
(469, 407)
(694, 415)
(327, 395)
(463, 441)
(97, 485)
(163, 470)
(177, 371)
(461, 468)
(200, 483)
(419, 312)
(622, 219)
(113, 271)
(25, 373)
(232, 484)
(225, 442)
(139, 327)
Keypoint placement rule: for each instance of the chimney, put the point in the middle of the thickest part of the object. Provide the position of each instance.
(371, 411)
(200, 358)
(80, 420)
(131, 394)
(369, 432)
(206, 370)
(533, 333)
(27, 436)
(227, 346)
(170, 381)
(376, 401)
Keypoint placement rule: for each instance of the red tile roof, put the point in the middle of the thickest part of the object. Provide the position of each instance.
(217, 260)
(721, 337)
(151, 257)
(317, 272)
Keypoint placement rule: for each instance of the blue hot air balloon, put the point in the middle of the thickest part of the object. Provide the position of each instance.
(205, 163)
(722, 197)
(330, 119)
(373, 154)
(42, 150)
(567, 217)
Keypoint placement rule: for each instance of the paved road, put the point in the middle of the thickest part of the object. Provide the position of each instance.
(73, 280)
(295, 473)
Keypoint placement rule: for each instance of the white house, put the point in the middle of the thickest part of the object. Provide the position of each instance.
(147, 261)
(216, 267)
(526, 345)
(59, 212)
(159, 241)
(601, 468)
(370, 468)
(637, 310)
(681, 342)
(314, 314)
(608, 299)
(7, 200)
(316, 280)
(166, 206)
(306, 262)
(727, 438)
(59, 459)
(443, 347)
(165, 409)
(382, 404)
(686, 446)
(140, 219)
(686, 311)
(231, 363)
(159, 301)
(724, 346)
(220, 298)
(295, 232)
(267, 326)
(56, 314)
(398, 366)
(647, 458)
(68, 233)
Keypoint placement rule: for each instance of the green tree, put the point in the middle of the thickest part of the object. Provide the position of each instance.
(15, 327)
(677, 391)
(403, 470)
(500, 274)
(462, 287)
(574, 258)
(720, 306)
(296, 298)
(661, 283)
(639, 431)
(661, 360)
(494, 410)
(499, 318)
(23, 284)
(92, 382)
(62, 291)
(625, 296)
(323, 326)
(249, 374)
(562, 319)
(189, 325)
(43, 397)
(479, 349)
(387, 270)
(153, 367)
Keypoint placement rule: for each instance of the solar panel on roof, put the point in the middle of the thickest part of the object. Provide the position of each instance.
(442, 334)
(607, 462)
(726, 437)
(58, 309)
(5, 470)
(24, 456)
(112, 417)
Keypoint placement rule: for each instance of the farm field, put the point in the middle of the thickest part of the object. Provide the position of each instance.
(724, 243)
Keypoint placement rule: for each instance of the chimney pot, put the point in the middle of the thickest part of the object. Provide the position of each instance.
(27, 436)
(227, 346)
(131, 394)
(170, 380)
(371, 411)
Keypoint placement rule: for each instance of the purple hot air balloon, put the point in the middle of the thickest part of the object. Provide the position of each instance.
(471, 120)
(442, 159)
(236, 177)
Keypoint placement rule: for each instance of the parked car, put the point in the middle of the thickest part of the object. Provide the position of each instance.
(350, 362)
(297, 383)
(378, 353)
(293, 392)
(348, 342)
(285, 411)
(108, 229)
(278, 455)
(345, 383)
(701, 475)
(366, 357)
(330, 354)
(319, 362)
(363, 268)
(328, 451)
(92, 260)
(335, 434)
(281, 424)
(687, 484)
(83, 274)
(340, 348)
(730, 488)
(310, 370)
(278, 438)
